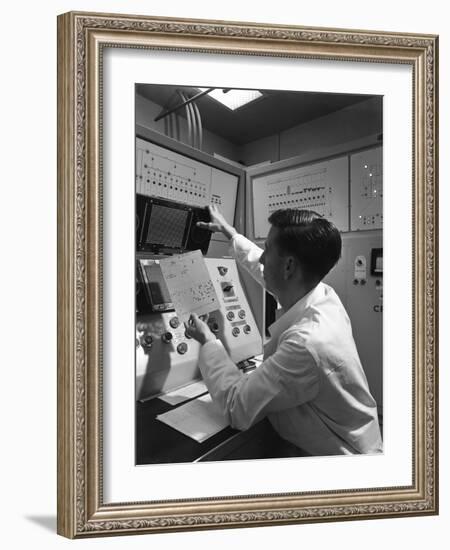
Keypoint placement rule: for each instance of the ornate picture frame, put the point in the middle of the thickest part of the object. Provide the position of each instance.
(82, 39)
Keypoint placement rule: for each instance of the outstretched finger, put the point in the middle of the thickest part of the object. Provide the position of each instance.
(203, 225)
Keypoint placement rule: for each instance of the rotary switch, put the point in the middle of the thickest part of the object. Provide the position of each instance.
(174, 322)
(182, 348)
(147, 341)
(167, 337)
(213, 325)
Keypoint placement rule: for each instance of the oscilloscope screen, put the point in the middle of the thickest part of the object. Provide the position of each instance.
(168, 227)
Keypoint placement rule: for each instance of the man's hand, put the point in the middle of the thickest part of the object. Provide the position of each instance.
(199, 330)
(218, 223)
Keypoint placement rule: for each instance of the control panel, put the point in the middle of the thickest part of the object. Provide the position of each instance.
(166, 358)
(358, 281)
(233, 323)
(169, 175)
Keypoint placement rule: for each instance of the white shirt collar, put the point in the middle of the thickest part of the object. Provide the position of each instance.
(296, 311)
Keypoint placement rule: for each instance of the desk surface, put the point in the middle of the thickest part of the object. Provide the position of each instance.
(158, 443)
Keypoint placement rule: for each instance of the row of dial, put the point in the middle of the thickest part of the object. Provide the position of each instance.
(147, 340)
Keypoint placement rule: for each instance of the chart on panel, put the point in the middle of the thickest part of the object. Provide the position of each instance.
(163, 173)
(366, 173)
(321, 187)
(189, 284)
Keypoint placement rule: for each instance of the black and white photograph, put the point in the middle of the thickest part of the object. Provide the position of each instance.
(231, 352)
(259, 274)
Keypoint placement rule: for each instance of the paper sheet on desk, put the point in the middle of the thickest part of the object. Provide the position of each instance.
(176, 397)
(198, 419)
(189, 284)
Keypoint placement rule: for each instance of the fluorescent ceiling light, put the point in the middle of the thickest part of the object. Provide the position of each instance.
(233, 99)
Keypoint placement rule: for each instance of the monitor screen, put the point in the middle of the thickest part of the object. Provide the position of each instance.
(156, 286)
(168, 227)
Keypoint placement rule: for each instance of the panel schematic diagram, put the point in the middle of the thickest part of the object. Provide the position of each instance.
(366, 173)
(321, 187)
(163, 173)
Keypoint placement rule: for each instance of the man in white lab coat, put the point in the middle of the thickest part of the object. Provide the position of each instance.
(311, 384)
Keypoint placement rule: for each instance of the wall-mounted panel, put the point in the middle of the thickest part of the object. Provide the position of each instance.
(322, 187)
(366, 176)
(163, 173)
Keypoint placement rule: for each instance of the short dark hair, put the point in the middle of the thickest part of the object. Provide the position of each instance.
(309, 237)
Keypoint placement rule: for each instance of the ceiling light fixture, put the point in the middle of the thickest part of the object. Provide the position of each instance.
(233, 99)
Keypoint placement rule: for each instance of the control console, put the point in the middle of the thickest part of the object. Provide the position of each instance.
(166, 358)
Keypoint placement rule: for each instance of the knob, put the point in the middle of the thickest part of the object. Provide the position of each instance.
(174, 322)
(182, 348)
(186, 335)
(213, 325)
(363, 281)
(230, 315)
(235, 331)
(148, 340)
(241, 314)
(247, 329)
(167, 337)
(355, 281)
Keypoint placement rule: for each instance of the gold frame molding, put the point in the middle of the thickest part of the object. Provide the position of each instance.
(81, 38)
